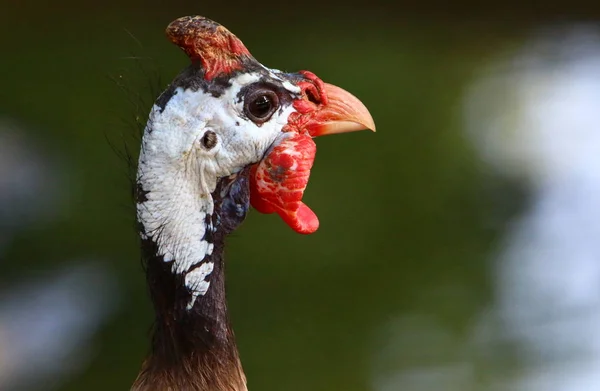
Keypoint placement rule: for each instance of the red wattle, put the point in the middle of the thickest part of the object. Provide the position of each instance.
(303, 220)
(277, 183)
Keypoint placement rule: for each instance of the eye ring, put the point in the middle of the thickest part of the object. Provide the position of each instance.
(260, 104)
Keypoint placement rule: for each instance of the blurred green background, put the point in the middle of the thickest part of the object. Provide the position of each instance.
(409, 215)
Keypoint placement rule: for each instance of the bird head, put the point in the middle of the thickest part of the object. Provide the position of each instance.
(227, 112)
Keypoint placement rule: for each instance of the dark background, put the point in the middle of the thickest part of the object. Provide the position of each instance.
(409, 215)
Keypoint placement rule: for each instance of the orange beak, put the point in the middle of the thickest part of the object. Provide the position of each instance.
(342, 113)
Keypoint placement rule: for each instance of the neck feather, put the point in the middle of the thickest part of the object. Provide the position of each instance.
(193, 346)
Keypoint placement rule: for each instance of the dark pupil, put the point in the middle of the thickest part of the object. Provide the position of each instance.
(261, 106)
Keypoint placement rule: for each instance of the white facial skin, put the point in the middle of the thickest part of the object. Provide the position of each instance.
(179, 173)
(176, 134)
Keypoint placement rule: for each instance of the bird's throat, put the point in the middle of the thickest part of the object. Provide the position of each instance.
(193, 346)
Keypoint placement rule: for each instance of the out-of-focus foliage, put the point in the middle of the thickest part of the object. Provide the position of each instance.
(408, 215)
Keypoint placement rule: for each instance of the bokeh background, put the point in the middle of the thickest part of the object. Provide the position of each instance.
(459, 245)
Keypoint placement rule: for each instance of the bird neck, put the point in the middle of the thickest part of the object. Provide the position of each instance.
(193, 346)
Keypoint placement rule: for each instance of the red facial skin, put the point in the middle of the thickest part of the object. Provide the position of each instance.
(277, 183)
(279, 180)
(313, 97)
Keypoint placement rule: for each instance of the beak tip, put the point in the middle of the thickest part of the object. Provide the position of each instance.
(371, 126)
(367, 123)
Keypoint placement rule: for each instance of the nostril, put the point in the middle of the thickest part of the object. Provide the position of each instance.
(313, 96)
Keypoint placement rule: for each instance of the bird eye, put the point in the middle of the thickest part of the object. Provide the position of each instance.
(260, 105)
